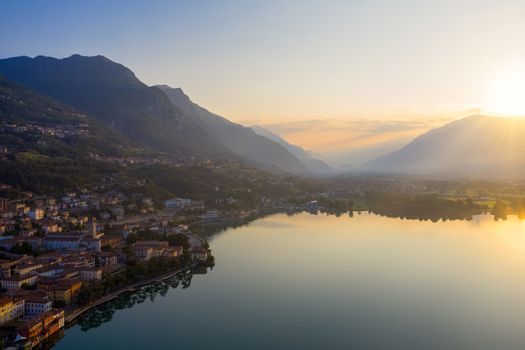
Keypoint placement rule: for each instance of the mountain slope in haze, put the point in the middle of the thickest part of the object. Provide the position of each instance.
(111, 93)
(47, 146)
(236, 138)
(314, 165)
(36, 123)
(476, 145)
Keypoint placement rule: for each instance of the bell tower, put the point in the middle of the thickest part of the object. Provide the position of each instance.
(92, 227)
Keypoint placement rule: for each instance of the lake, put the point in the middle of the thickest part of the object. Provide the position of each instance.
(324, 282)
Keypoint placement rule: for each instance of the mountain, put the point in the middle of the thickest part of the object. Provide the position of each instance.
(314, 165)
(476, 145)
(35, 123)
(356, 156)
(236, 138)
(46, 146)
(112, 94)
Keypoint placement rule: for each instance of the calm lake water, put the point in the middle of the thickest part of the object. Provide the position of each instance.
(322, 282)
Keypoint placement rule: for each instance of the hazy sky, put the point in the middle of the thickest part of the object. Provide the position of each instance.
(289, 59)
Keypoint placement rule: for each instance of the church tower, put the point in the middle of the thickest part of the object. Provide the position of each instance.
(92, 227)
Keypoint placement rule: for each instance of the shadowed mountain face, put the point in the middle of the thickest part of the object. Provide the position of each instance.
(477, 145)
(50, 146)
(236, 138)
(111, 93)
(34, 123)
(315, 166)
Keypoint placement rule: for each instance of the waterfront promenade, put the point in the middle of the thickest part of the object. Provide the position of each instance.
(71, 315)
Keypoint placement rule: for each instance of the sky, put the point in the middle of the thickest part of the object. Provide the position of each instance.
(346, 79)
(281, 60)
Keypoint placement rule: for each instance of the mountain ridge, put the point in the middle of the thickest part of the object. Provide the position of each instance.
(313, 164)
(112, 94)
(476, 145)
(238, 139)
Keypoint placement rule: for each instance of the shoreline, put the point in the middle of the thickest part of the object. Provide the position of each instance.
(73, 315)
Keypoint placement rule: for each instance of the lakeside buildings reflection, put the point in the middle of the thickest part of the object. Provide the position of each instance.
(104, 313)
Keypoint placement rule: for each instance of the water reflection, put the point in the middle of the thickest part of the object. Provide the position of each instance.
(213, 229)
(104, 313)
(320, 282)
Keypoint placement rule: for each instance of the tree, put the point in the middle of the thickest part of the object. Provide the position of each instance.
(500, 210)
(22, 248)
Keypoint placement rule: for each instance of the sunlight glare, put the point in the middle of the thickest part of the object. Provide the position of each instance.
(508, 95)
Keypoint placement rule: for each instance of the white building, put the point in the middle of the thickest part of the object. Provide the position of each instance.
(16, 282)
(36, 305)
(69, 241)
(91, 274)
(62, 243)
(177, 203)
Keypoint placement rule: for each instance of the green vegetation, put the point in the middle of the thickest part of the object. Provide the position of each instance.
(22, 248)
(422, 207)
(52, 175)
(500, 210)
(135, 272)
(83, 135)
(335, 206)
(146, 235)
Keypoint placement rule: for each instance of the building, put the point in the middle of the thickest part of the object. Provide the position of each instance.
(16, 282)
(106, 259)
(199, 254)
(142, 253)
(39, 327)
(61, 291)
(37, 302)
(53, 321)
(37, 214)
(11, 309)
(112, 241)
(26, 267)
(173, 252)
(117, 211)
(210, 215)
(21, 208)
(49, 226)
(71, 241)
(73, 260)
(91, 274)
(30, 329)
(50, 271)
(177, 203)
(61, 242)
(4, 205)
(92, 228)
(145, 250)
(91, 244)
(312, 206)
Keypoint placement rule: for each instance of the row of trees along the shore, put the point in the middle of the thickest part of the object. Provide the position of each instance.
(139, 271)
(422, 207)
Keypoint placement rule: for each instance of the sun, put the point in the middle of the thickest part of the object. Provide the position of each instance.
(507, 95)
